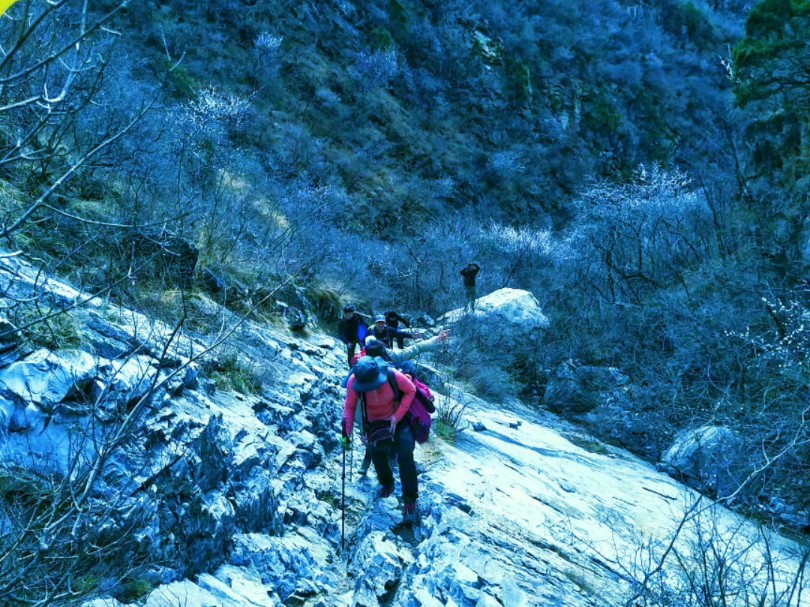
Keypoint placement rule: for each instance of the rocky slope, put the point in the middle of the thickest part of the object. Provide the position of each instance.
(236, 498)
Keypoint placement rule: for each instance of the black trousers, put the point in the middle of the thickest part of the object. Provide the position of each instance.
(351, 349)
(403, 446)
(392, 457)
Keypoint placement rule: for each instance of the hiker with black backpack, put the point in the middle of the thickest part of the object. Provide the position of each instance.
(385, 395)
(392, 319)
(352, 330)
(387, 334)
(375, 347)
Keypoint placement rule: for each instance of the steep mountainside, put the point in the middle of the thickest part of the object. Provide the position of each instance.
(409, 106)
(216, 498)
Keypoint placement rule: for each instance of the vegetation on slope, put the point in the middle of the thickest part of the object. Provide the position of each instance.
(641, 167)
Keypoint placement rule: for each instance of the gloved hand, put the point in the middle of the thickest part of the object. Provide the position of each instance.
(345, 443)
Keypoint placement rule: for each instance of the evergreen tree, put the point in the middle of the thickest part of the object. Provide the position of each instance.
(772, 81)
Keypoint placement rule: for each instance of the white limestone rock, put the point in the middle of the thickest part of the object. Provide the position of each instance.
(710, 458)
(509, 312)
(103, 602)
(46, 378)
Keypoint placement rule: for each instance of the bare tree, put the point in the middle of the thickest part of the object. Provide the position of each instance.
(52, 66)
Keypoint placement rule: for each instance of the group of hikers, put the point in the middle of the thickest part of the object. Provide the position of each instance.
(385, 396)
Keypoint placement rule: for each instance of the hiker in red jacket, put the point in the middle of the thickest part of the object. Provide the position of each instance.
(369, 387)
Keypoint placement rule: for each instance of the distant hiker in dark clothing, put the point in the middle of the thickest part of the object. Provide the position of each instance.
(469, 273)
(392, 319)
(352, 330)
(387, 334)
(383, 410)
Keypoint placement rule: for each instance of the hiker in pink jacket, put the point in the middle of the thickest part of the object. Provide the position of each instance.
(369, 387)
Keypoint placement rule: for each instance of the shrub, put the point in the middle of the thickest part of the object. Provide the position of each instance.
(449, 421)
(631, 239)
(46, 327)
(326, 302)
(376, 69)
(134, 589)
(232, 373)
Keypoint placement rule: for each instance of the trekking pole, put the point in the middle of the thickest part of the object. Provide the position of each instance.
(343, 508)
(351, 457)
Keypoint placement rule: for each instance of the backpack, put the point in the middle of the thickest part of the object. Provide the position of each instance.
(421, 407)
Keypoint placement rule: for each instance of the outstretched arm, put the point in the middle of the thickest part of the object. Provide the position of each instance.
(434, 343)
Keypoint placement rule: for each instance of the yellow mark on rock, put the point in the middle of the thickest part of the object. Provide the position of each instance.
(5, 5)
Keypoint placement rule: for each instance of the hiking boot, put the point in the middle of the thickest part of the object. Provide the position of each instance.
(385, 491)
(364, 469)
(410, 515)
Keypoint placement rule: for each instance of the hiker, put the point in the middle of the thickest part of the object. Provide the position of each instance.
(375, 347)
(352, 330)
(401, 358)
(387, 334)
(469, 272)
(370, 388)
(392, 319)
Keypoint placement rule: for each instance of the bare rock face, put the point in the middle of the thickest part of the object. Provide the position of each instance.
(236, 500)
(46, 378)
(579, 389)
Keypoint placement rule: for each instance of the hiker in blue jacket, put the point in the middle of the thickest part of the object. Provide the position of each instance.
(352, 330)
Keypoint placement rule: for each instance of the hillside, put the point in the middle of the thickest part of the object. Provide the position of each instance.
(216, 497)
(640, 168)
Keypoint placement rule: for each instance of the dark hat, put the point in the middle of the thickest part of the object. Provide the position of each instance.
(349, 308)
(369, 374)
(408, 368)
(379, 318)
(375, 347)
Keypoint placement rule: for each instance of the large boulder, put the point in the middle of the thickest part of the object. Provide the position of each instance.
(163, 254)
(515, 314)
(709, 458)
(292, 562)
(46, 378)
(578, 389)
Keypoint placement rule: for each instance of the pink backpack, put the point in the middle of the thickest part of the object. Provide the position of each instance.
(421, 408)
